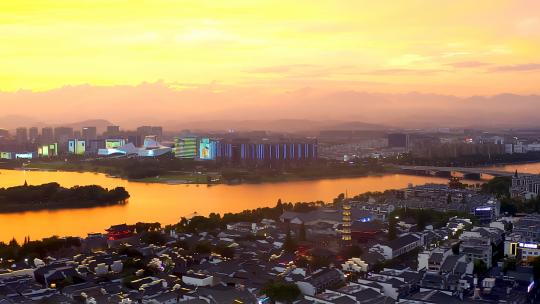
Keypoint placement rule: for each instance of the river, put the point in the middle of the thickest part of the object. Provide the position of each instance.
(152, 202)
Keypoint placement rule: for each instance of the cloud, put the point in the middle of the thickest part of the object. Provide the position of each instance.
(529, 27)
(404, 72)
(279, 69)
(517, 68)
(468, 64)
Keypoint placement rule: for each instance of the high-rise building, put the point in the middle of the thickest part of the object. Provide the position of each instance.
(398, 140)
(113, 130)
(243, 150)
(48, 150)
(4, 133)
(157, 131)
(63, 134)
(21, 135)
(89, 133)
(47, 135)
(144, 130)
(76, 146)
(77, 134)
(33, 134)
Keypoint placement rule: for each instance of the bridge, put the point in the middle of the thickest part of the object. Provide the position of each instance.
(468, 173)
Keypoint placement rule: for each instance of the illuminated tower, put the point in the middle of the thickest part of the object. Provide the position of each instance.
(346, 223)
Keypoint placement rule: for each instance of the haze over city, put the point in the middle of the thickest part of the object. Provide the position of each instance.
(410, 64)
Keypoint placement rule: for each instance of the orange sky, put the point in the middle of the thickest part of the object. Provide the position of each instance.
(270, 47)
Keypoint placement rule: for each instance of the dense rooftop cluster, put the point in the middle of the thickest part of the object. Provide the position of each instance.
(425, 244)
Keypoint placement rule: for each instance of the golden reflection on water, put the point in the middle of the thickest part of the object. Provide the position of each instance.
(168, 203)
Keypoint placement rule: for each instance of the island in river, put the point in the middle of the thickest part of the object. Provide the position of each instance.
(53, 196)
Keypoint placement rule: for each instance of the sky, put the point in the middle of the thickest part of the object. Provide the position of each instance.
(242, 52)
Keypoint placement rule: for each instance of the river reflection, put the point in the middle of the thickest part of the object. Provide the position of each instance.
(168, 203)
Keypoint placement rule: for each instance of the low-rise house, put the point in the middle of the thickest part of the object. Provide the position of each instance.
(52, 274)
(402, 245)
(476, 247)
(320, 280)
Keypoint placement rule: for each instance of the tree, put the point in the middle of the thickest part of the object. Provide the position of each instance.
(536, 268)
(203, 247)
(481, 269)
(509, 264)
(499, 186)
(392, 228)
(289, 245)
(455, 248)
(153, 237)
(302, 233)
(353, 251)
(282, 291)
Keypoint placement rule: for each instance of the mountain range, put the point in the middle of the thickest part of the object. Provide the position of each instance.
(208, 108)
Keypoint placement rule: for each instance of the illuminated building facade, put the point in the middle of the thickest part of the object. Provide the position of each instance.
(185, 147)
(49, 150)
(6, 155)
(346, 238)
(245, 151)
(207, 149)
(118, 232)
(114, 143)
(76, 146)
(151, 148)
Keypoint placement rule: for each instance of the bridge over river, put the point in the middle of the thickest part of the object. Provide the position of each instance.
(467, 172)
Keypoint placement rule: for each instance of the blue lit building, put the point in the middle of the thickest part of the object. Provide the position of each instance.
(246, 151)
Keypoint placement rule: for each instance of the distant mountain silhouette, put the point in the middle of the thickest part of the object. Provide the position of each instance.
(278, 125)
(100, 124)
(205, 108)
(12, 122)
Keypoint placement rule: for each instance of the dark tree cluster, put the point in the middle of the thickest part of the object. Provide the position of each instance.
(53, 193)
(216, 221)
(36, 249)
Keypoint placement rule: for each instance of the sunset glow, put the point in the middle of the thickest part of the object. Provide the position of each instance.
(449, 47)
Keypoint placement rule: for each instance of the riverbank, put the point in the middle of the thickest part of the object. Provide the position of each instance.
(229, 176)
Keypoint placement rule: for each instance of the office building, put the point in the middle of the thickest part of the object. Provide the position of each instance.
(112, 131)
(49, 150)
(47, 135)
(150, 130)
(185, 147)
(76, 146)
(63, 134)
(89, 133)
(266, 151)
(93, 146)
(398, 140)
(21, 135)
(157, 131)
(33, 134)
(4, 134)
(207, 149)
